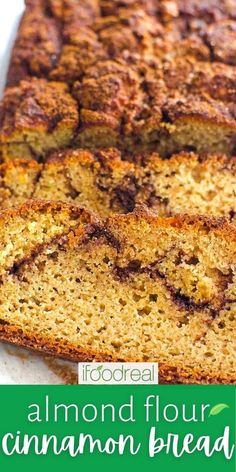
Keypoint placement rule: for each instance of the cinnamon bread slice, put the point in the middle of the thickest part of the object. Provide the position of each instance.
(102, 182)
(98, 291)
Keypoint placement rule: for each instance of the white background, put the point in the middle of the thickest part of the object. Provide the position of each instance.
(10, 12)
(18, 366)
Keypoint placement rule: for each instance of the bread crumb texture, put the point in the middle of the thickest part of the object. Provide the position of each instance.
(133, 288)
(102, 182)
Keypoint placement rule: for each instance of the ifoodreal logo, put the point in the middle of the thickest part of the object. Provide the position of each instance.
(117, 373)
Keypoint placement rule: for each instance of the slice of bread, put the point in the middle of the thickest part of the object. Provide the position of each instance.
(101, 181)
(133, 288)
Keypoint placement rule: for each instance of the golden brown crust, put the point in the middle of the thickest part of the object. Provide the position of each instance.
(32, 206)
(168, 374)
(197, 222)
(190, 223)
(37, 104)
(39, 114)
(146, 75)
(223, 51)
(37, 46)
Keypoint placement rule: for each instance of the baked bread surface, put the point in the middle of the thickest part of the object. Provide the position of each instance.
(152, 76)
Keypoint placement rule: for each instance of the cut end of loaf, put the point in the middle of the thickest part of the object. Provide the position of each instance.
(99, 291)
(36, 117)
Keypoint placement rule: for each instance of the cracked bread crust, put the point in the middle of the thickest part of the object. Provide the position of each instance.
(189, 266)
(37, 46)
(36, 117)
(102, 182)
(152, 76)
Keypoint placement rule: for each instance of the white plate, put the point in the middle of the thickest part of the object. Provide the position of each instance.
(18, 366)
(10, 13)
